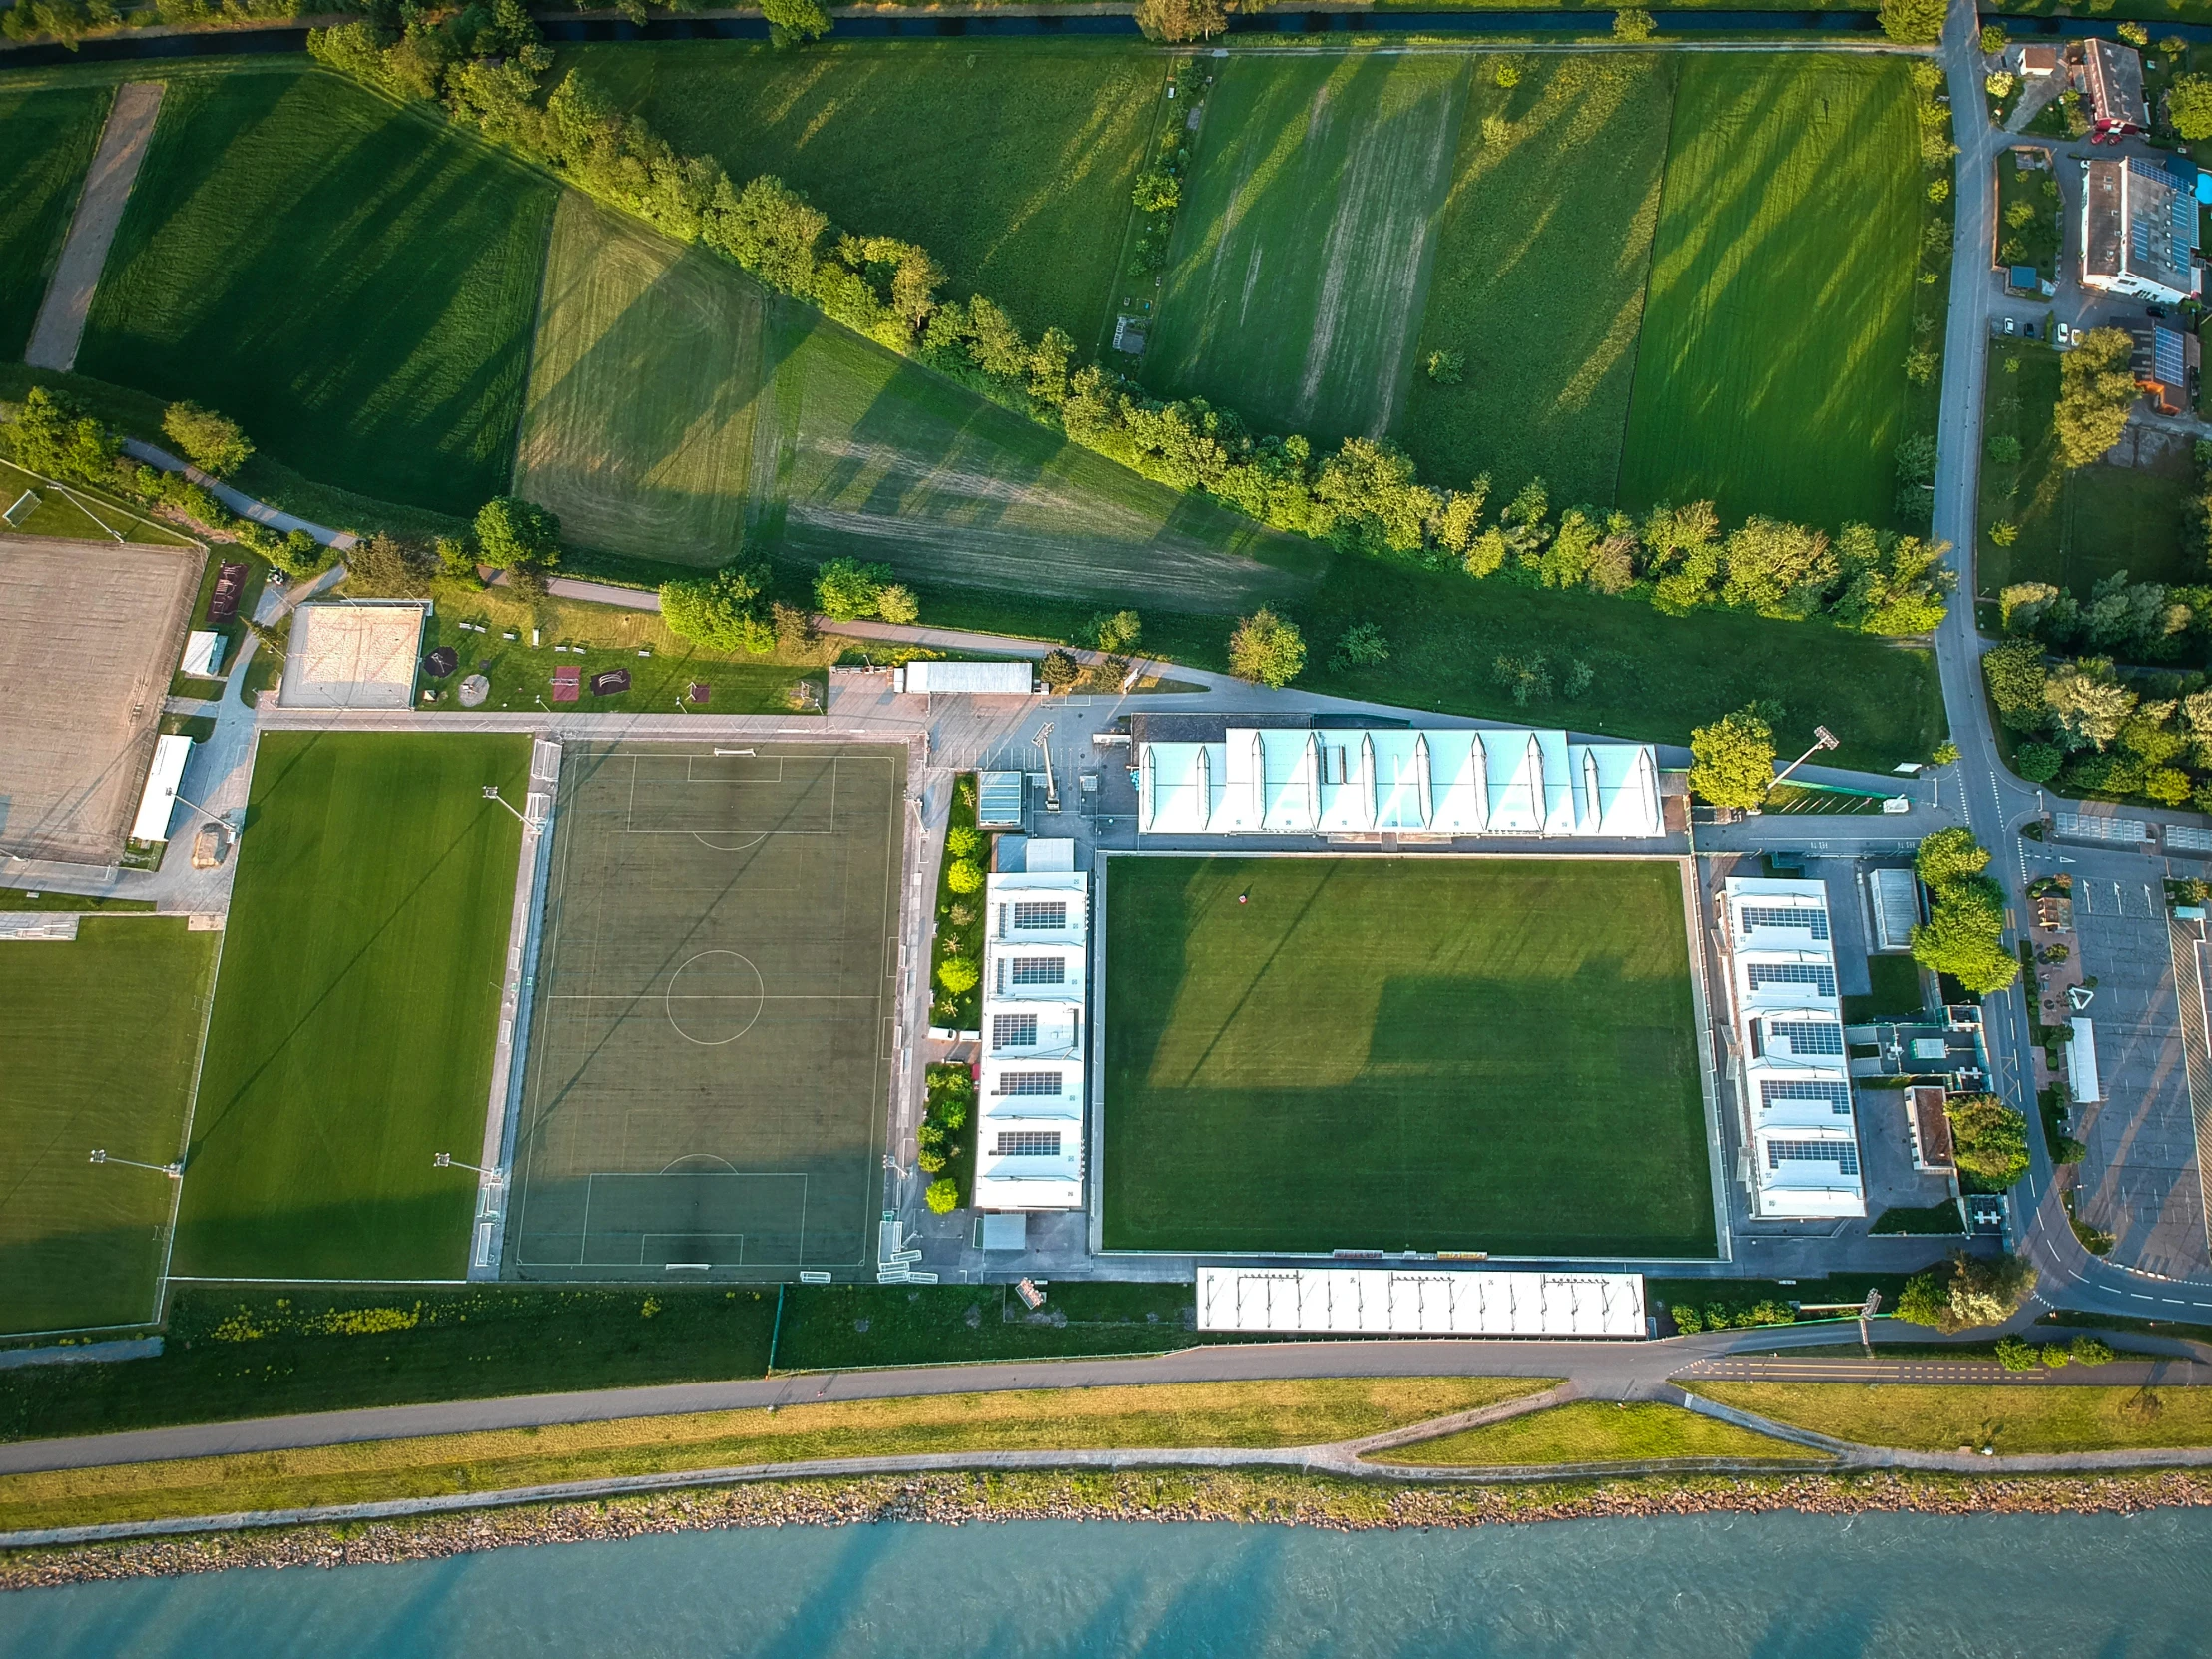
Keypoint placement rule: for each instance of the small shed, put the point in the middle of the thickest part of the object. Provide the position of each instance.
(1896, 897)
(2023, 279)
(2081, 1062)
(203, 654)
(1930, 1122)
(966, 679)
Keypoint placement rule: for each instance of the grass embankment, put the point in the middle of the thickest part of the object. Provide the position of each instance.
(2076, 526)
(1944, 1418)
(352, 1030)
(1011, 161)
(49, 135)
(1300, 257)
(99, 1038)
(1560, 172)
(1398, 1118)
(352, 281)
(1771, 372)
(21, 898)
(1595, 1432)
(1245, 1415)
(962, 919)
(838, 1327)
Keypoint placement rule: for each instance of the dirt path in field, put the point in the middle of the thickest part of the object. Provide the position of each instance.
(61, 320)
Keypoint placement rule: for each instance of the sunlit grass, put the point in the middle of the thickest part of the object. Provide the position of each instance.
(47, 138)
(2014, 1419)
(1595, 1432)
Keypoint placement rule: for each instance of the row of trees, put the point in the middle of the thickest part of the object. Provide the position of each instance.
(1963, 935)
(2078, 722)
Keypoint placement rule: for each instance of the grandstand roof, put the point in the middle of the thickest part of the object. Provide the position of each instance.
(1424, 1300)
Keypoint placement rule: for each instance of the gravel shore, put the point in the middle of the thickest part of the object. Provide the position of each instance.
(1229, 1496)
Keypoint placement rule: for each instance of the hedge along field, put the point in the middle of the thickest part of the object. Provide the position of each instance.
(354, 282)
(673, 404)
(1541, 260)
(1770, 374)
(1011, 161)
(47, 138)
(1302, 248)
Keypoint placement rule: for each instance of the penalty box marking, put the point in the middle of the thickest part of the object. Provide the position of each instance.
(645, 1236)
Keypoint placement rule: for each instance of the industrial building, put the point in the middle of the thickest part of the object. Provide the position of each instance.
(1411, 782)
(1029, 1122)
(1800, 1133)
(2139, 229)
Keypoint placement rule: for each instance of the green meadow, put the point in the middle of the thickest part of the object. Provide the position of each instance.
(48, 135)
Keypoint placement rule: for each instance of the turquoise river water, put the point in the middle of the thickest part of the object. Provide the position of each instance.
(1786, 1586)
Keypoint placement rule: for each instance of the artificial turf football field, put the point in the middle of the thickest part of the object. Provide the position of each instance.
(354, 1019)
(99, 1038)
(1402, 1054)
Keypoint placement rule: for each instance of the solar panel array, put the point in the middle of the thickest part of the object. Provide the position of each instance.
(1037, 970)
(1837, 1095)
(1843, 1154)
(1027, 1143)
(1807, 919)
(1029, 1082)
(1819, 976)
(1806, 1037)
(1041, 915)
(1013, 1031)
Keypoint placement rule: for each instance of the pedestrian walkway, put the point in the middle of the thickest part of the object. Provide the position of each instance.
(236, 500)
(60, 328)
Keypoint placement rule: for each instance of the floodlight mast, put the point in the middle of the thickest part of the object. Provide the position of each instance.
(1822, 738)
(530, 825)
(446, 1160)
(176, 1171)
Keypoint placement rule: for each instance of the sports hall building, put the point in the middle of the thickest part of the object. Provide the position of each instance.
(1029, 1125)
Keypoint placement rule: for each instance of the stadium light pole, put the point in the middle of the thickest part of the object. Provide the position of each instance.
(446, 1160)
(176, 1171)
(530, 827)
(1822, 738)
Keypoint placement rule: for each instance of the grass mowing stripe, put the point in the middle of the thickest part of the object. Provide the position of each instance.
(1541, 260)
(49, 137)
(1301, 250)
(354, 282)
(1011, 161)
(1512, 1069)
(352, 1029)
(97, 1040)
(1594, 1432)
(1239, 1415)
(1771, 372)
(2012, 1417)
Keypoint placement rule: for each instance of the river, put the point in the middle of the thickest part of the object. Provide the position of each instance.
(1801, 1586)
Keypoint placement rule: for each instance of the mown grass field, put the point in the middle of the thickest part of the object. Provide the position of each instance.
(80, 514)
(1258, 1098)
(1011, 161)
(99, 1038)
(48, 135)
(354, 282)
(1945, 1417)
(1770, 376)
(2076, 527)
(1595, 1432)
(1240, 1414)
(1541, 257)
(352, 1030)
(1301, 250)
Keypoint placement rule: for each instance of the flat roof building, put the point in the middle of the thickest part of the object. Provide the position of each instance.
(1426, 1301)
(965, 678)
(158, 801)
(1036, 955)
(1408, 781)
(1800, 1130)
(1896, 898)
(2139, 231)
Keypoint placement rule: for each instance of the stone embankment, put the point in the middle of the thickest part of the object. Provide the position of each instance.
(1226, 1495)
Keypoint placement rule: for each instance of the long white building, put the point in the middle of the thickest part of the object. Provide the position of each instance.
(1029, 1127)
(1411, 780)
(1798, 1127)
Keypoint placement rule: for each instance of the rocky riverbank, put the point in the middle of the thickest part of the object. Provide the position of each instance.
(1227, 1496)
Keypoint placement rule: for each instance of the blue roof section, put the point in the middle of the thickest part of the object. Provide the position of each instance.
(2169, 364)
(2024, 276)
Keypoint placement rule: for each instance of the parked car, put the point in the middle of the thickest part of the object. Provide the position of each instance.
(2156, 313)
(2011, 327)
(2062, 338)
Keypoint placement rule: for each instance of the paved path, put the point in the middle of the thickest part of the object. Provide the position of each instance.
(61, 319)
(246, 506)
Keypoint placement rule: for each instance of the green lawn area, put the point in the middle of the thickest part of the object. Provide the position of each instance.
(2012, 1419)
(2034, 189)
(1770, 374)
(822, 1327)
(353, 1024)
(354, 282)
(1302, 252)
(99, 1038)
(1594, 1432)
(1541, 260)
(1895, 994)
(80, 514)
(1011, 161)
(1259, 1097)
(2078, 527)
(48, 135)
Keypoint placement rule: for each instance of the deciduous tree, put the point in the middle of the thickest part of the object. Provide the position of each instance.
(1264, 648)
(1989, 1137)
(214, 443)
(721, 610)
(512, 531)
(1732, 760)
(2097, 389)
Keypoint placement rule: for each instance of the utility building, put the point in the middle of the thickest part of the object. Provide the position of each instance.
(1036, 952)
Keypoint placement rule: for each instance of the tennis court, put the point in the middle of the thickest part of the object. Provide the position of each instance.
(710, 1044)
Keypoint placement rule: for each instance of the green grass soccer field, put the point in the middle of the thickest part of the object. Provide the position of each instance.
(1771, 372)
(48, 135)
(98, 1037)
(1402, 1054)
(353, 1024)
(352, 283)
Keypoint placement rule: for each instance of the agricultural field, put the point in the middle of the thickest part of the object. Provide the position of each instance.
(354, 282)
(2074, 527)
(99, 1039)
(1257, 1099)
(1541, 259)
(352, 1032)
(1011, 161)
(48, 135)
(1770, 376)
(1301, 249)
(819, 444)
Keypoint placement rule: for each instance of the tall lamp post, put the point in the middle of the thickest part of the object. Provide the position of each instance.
(1822, 738)
(446, 1160)
(530, 825)
(176, 1171)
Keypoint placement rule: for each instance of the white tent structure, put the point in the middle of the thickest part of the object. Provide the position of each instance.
(1801, 1133)
(1408, 781)
(159, 803)
(1426, 1301)
(1030, 1117)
